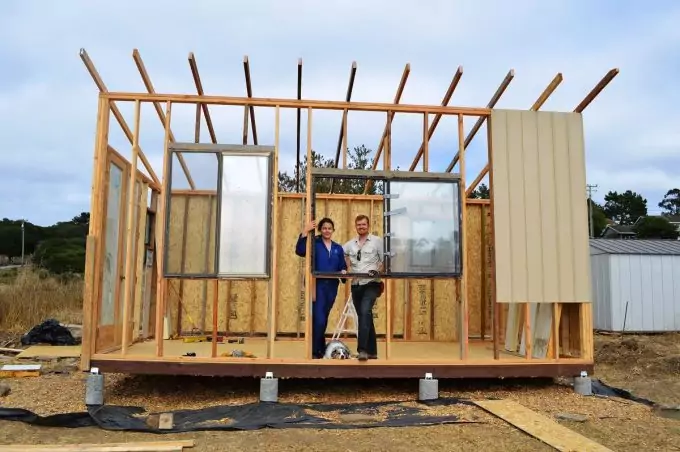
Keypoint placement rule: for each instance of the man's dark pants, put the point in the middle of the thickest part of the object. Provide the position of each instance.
(364, 297)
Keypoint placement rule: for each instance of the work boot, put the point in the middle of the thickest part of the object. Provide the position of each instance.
(363, 356)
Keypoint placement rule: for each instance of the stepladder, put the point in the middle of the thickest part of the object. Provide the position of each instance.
(349, 315)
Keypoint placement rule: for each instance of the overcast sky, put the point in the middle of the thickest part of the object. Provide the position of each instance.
(48, 100)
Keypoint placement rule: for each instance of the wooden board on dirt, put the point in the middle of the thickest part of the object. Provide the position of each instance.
(166, 446)
(540, 427)
(51, 351)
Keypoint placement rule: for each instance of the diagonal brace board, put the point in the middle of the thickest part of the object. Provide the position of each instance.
(540, 427)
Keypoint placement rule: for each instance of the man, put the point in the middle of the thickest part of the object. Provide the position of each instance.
(364, 254)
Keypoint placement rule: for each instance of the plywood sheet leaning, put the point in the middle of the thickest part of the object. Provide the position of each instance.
(540, 212)
(540, 427)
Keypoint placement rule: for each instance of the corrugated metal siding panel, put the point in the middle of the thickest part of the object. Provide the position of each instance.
(601, 283)
(540, 213)
(667, 247)
(650, 285)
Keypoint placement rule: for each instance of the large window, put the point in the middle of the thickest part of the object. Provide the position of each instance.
(222, 228)
(421, 227)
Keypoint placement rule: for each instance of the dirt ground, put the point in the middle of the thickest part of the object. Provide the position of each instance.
(648, 366)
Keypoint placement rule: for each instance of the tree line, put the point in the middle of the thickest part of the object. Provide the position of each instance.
(60, 248)
(629, 209)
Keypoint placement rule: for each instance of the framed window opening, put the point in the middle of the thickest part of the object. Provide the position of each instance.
(422, 222)
(240, 222)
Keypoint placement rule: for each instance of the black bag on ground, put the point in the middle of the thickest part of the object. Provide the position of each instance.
(49, 332)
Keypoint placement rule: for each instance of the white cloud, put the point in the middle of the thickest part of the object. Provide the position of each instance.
(48, 101)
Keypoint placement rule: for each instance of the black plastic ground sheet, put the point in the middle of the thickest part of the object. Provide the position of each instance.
(252, 416)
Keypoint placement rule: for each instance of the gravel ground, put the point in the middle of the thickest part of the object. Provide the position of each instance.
(615, 423)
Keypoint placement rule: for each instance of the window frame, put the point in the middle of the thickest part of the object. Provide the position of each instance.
(387, 177)
(221, 152)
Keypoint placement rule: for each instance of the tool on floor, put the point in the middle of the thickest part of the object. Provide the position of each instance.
(347, 313)
(238, 354)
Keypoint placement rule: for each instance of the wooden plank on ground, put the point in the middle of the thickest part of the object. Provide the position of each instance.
(540, 427)
(148, 446)
(52, 351)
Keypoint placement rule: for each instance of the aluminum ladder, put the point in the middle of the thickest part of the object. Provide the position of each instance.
(347, 313)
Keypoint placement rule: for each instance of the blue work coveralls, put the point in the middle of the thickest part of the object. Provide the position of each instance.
(326, 288)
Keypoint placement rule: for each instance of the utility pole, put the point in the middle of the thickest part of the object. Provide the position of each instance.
(591, 188)
(22, 241)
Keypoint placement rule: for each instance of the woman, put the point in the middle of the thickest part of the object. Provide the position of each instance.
(328, 257)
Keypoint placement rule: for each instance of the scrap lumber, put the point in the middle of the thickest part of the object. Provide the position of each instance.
(146, 446)
(540, 427)
(20, 370)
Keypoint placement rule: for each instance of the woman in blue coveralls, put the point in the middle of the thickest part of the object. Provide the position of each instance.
(328, 257)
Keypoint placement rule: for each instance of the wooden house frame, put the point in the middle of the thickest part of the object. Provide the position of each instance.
(153, 267)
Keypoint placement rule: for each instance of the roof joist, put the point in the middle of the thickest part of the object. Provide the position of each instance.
(480, 121)
(438, 117)
(609, 76)
(388, 123)
(547, 92)
(250, 102)
(161, 115)
(250, 109)
(117, 114)
(342, 139)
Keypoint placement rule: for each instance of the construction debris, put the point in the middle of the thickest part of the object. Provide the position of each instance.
(20, 370)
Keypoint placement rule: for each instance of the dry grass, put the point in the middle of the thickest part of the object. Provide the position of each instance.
(31, 296)
(646, 364)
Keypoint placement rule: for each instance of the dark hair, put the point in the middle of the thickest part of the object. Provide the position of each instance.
(362, 217)
(324, 221)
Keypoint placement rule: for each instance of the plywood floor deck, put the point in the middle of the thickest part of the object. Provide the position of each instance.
(295, 350)
(407, 360)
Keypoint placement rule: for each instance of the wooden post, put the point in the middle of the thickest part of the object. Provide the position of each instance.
(464, 287)
(129, 237)
(273, 281)
(161, 282)
(426, 144)
(387, 161)
(308, 255)
(344, 139)
(495, 321)
(91, 297)
(215, 316)
(528, 334)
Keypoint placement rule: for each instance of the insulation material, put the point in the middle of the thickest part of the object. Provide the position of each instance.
(421, 309)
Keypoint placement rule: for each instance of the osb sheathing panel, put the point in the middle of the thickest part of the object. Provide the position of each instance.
(421, 309)
(540, 207)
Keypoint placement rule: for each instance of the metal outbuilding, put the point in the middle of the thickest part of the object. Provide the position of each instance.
(636, 285)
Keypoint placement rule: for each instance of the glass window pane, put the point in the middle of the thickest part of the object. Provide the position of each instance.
(111, 245)
(244, 215)
(424, 228)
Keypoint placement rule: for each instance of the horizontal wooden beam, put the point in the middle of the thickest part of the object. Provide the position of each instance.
(294, 103)
(382, 175)
(320, 196)
(217, 148)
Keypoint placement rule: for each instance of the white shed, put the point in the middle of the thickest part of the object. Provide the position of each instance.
(636, 285)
